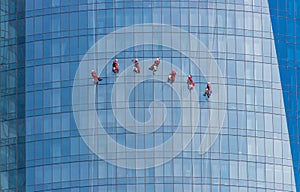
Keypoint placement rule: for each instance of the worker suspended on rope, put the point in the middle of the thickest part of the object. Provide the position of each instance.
(115, 66)
(154, 67)
(208, 90)
(172, 76)
(96, 77)
(136, 67)
(190, 82)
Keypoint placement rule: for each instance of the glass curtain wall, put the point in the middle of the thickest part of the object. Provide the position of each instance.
(137, 132)
(12, 96)
(285, 24)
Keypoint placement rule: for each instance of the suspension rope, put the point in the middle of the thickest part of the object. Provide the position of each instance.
(95, 87)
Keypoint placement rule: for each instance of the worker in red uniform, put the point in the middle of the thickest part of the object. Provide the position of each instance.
(136, 67)
(115, 66)
(172, 76)
(154, 67)
(190, 82)
(208, 90)
(96, 78)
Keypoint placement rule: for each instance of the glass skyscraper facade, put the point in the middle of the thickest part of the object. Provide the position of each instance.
(285, 26)
(136, 131)
(12, 95)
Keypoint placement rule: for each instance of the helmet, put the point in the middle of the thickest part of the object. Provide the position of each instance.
(157, 59)
(208, 84)
(116, 60)
(136, 60)
(93, 71)
(190, 76)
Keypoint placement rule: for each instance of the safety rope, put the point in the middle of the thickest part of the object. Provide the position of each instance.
(95, 87)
